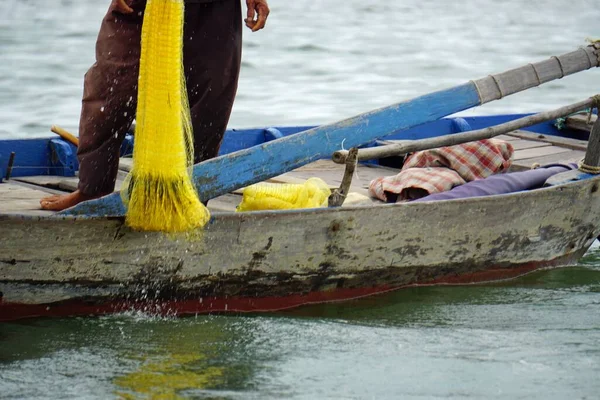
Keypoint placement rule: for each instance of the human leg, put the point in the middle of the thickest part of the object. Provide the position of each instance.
(108, 107)
(212, 59)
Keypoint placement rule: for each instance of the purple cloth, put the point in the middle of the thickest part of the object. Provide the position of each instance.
(500, 184)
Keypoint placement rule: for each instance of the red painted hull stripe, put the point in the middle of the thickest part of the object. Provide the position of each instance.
(14, 311)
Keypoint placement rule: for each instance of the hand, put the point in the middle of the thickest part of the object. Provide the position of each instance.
(258, 9)
(122, 6)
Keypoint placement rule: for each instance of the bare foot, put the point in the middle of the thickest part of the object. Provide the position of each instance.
(64, 201)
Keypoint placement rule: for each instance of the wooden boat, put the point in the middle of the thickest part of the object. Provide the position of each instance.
(86, 261)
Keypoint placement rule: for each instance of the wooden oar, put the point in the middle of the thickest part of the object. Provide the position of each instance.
(224, 174)
(65, 135)
(410, 146)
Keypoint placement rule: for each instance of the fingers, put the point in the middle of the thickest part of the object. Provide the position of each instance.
(263, 14)
(250, 13)
(249, 23)
(258, 9)
(122, 6)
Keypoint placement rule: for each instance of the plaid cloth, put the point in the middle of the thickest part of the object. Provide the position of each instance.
(438, 170)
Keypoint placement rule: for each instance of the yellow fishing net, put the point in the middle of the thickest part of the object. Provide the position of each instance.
(159, 192)
(276, 196)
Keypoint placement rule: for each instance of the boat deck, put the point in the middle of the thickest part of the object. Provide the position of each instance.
(21, 195)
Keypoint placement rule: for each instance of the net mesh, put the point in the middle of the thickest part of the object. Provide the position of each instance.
(159, 191)
(275, 196)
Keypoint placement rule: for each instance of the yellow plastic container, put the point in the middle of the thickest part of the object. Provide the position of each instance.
(285, 196)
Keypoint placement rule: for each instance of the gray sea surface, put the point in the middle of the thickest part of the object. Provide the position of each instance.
(319, 61)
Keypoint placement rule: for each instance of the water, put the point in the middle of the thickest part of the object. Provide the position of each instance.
(317, 62)
(533, 338)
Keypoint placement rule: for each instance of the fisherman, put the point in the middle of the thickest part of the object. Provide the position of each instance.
(212, 58)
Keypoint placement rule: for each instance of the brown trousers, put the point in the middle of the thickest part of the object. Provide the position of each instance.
(212, 58)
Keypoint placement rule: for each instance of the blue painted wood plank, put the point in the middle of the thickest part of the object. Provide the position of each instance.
(32, 157)
(239, 139)
(224, 174)
(568, 177)
(547, 128)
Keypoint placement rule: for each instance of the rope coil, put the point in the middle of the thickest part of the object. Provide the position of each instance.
(588, 169)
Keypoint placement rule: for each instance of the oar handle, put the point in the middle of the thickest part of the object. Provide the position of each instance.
(65, 135)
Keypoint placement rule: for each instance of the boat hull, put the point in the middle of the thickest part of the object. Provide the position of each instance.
(165, 306)
(270, 261)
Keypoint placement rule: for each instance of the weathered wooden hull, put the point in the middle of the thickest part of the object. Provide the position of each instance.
(276, 260)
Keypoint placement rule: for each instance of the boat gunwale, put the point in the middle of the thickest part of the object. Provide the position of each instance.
(225, 215)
